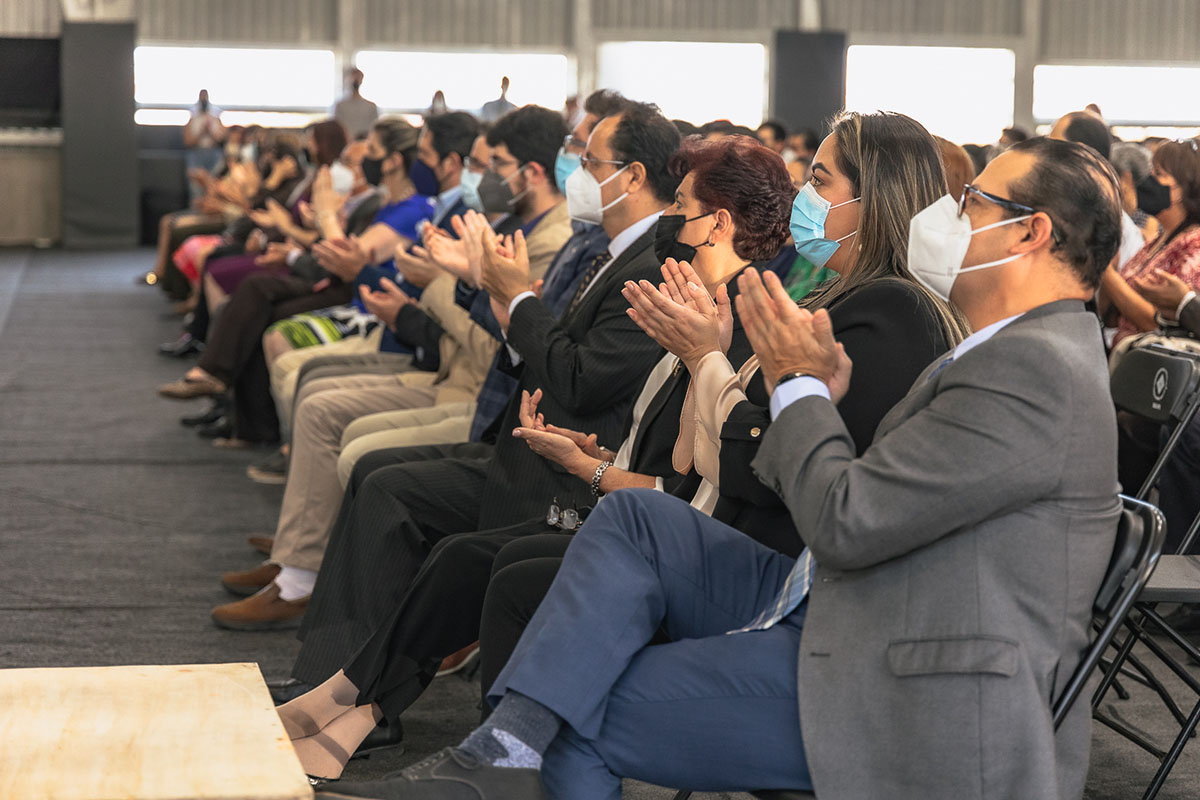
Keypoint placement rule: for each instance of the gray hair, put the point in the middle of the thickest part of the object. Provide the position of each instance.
(1131, 158)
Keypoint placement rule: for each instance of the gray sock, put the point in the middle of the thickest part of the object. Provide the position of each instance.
(516, 734)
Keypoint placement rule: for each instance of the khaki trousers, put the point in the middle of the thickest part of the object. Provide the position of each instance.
(313, 493)
(446, 423)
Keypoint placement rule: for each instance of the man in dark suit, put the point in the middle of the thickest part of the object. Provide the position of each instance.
(589, 366)
(949, 574)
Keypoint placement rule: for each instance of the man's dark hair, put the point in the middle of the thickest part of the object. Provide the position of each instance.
(533, 135)
(776, 128)
(811, 140)
(646, 136)
(604, 103)
(1016, 135)
(1089, 129)
(684, 127)
(721, 126)
(1080, 192)
(454, 132)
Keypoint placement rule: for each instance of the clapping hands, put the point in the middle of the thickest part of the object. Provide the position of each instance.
(680, 314)
(789, 339)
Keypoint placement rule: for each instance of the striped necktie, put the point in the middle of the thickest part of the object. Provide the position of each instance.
(800, 579)
(795, 588)
(588, 276)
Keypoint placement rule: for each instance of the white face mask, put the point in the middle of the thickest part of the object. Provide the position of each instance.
(342, 177)
(584, 200)
(938, 239)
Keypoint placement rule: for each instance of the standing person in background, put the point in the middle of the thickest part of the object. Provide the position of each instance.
(437, 105)
(356, 113)
(495, 109)
(773, 135)
(202, 136)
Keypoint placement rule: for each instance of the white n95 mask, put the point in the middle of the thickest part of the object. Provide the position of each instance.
(584, 200)
(938, 239)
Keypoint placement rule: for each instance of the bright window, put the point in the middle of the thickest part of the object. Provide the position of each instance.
(408, 80)
(1163, 95)
(964, 94)
(695, 81)
(234, 77)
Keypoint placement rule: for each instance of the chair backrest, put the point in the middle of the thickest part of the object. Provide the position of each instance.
(1156, 382)
(1140, 533)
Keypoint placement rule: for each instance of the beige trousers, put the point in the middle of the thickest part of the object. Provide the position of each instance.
(447, 423)
(313, 493)
(286, 369)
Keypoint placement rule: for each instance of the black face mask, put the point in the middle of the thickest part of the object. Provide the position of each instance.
(665, 244)
(1153, 196)
(373, 170)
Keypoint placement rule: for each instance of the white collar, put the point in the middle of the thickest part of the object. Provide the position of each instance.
(980, 336)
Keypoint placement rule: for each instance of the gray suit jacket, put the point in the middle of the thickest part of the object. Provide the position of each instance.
(958, 559)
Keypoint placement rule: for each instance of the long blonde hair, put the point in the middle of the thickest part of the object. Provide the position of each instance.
(896, 169)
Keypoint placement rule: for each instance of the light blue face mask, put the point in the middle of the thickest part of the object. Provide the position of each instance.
(564, 165)
(470, 189)
(809, 211)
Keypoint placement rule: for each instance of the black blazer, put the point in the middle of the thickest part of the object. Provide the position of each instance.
(891, 332)
(658, 431)
(1190, 318)
(590, 365)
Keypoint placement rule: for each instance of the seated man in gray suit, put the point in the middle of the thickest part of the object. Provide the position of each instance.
(952, 566)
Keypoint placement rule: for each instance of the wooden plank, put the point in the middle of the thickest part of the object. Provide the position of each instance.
(194, 732)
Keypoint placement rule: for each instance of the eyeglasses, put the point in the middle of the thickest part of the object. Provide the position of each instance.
(586, 161)
(571, 141)
(474, 165)
(566, 519)
(1005, 203)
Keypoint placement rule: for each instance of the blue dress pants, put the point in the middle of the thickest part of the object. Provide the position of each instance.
(707, 711)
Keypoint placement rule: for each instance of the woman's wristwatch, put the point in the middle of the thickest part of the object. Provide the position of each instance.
(792, 376)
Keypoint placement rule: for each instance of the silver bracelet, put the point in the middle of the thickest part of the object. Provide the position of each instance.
(600, 470)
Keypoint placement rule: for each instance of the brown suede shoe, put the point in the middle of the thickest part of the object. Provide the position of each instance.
(262, 544)
(458, 661)
(186, 388)
(250, 581)
(262, 612)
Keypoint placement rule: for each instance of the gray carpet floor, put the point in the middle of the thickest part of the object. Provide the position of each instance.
(116, 522)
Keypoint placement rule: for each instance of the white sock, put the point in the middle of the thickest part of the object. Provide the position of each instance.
(295, 583)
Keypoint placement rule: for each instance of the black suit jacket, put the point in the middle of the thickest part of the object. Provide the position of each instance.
(1190, 318)
(590, 366)
(891, 333)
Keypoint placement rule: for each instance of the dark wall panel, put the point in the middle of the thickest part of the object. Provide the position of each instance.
(808, 83)
(100, 169)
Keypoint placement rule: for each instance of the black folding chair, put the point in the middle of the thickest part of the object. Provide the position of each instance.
(1160, 383)
(1139, 539)
(1177, 580)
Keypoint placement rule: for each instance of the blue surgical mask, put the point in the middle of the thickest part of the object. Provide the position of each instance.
(470, 189)
(564, 165)
(809, 211)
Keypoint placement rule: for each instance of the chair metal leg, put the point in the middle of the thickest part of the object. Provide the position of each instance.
(1160, 777)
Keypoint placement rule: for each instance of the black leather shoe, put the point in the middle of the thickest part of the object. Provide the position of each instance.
(186, 345)
(384, 736)
(286, 691)
(220, 428)
(448, 775)
(220, 408)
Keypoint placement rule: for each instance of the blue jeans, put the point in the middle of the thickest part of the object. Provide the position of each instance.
(706, 711)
